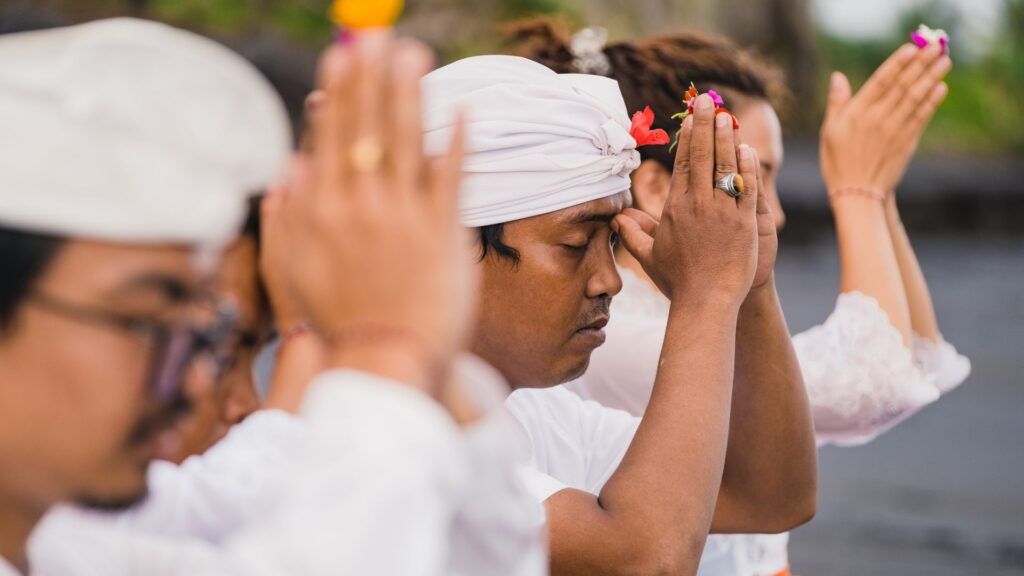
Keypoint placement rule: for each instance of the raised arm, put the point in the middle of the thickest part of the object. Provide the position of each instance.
(653, 514)
(867, 141)
(770, 479)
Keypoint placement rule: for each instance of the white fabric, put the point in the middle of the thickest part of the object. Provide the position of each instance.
(571, 442)
(861, 381)
(209, 496)
(492, 527)
(6, 569)
(576, 443)
(373, 490)
(133, 131)
(536, 141)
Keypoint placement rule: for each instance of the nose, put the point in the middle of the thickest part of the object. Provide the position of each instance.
(605, 279)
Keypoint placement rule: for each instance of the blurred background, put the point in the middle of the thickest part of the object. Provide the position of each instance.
(943, 494)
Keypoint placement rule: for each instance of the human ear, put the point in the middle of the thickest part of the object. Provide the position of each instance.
(651, 183)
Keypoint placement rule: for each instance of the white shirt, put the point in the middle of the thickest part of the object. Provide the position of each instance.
(209, 496)
(576, 443)
(381, 483)
(861, 381)
(6, 569)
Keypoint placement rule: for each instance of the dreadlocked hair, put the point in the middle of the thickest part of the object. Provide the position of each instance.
(657, 70)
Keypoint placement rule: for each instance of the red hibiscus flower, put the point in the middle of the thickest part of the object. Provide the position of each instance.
(641, 131)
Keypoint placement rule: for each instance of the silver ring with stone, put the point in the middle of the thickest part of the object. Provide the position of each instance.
(731, 184)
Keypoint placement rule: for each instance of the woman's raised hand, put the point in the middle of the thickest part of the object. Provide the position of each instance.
(868, 139)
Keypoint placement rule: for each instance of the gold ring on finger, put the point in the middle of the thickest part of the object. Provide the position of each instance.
(366, 155)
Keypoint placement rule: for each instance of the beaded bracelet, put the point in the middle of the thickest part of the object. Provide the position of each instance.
(864, 192)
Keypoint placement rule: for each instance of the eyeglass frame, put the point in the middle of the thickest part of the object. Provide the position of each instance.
(173, 347)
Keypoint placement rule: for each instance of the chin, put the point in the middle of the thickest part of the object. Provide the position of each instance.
(575, 372)
(113, 502)
(116, 490)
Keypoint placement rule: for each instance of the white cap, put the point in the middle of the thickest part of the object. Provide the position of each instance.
(536, 141)
(132, 131)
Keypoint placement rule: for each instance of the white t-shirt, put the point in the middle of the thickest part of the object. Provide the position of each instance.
(576, 443)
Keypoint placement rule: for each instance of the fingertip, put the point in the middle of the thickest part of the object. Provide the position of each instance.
(335, 65)
(412, 57)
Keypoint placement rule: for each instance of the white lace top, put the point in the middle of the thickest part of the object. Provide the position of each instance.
(861, 380)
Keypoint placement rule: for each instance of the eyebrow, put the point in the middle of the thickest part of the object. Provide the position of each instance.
(170, 287)
(586, 218)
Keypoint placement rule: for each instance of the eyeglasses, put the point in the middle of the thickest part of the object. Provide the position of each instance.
(207, 335)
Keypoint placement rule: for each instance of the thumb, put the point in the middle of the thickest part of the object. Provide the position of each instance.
(634, 239)
(839, 94)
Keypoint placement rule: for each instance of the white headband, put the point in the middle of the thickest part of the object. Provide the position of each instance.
(132, 131)
(536, 141)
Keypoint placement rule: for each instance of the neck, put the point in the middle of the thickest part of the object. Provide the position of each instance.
(17, 519)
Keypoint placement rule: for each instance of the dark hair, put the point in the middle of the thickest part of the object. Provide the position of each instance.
(491, 242)
(657, 70)
(24, 256)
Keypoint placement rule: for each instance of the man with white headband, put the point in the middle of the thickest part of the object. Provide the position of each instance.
(547, 187)
(130, 148)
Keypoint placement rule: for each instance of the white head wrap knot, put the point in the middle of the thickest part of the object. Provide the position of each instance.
(536, 141)
(132, 131)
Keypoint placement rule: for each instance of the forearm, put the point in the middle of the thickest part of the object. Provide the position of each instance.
(658, 504)
(770, 478)
(919, 299)
(866, 258)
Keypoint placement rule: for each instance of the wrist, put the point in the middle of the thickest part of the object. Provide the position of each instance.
(761, 294)
(845, 193)
(716, 304)
(390, 351)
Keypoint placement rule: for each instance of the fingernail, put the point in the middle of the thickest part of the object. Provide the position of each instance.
(837, 80)
(722, 119)
(745, 153)
(704, 102)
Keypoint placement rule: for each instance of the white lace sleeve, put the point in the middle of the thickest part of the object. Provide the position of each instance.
(941, 360)
(861, 379)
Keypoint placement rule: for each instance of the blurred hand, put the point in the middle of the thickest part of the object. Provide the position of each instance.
(274, 260)
(374, 237)
(867, 140)
(705, 245)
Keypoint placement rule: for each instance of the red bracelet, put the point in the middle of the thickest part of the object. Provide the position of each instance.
(294, 332)
(864, 192)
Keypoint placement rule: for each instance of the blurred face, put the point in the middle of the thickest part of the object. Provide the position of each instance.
(541, 318)
(77, 418)
(234, 396)
(759, 128)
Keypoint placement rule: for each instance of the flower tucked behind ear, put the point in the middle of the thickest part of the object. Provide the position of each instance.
(924, 36)
(641, 131)
(690, 99)
(365, 13)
